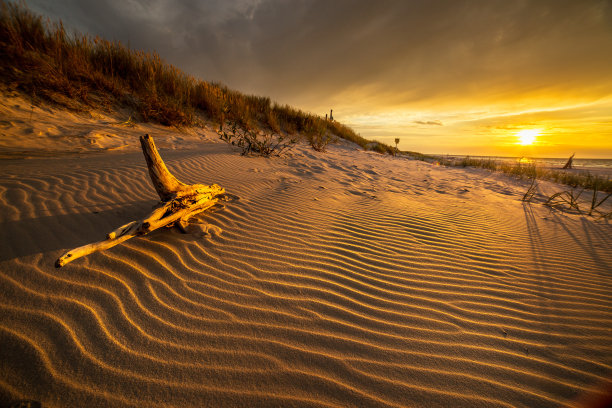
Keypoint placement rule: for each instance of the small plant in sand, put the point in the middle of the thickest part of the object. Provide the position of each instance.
(595, 203)
(570, 201)
(530, 193)
(565, 198)
(127, 123)
(318, 136)
(525, 170)
(253, 141)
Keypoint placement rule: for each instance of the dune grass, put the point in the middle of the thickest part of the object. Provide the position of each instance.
(41, 60)
(570, 201)
(571, 178)
(531, 191)
(318, 137)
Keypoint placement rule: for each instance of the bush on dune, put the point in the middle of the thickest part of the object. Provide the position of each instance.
(256, 142)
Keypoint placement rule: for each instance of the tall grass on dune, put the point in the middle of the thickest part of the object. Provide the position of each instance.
(40, 59)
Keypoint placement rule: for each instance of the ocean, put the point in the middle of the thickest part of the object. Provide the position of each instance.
(545, 162)
(594, 166)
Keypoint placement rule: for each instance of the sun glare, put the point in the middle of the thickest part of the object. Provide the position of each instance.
(527, 136)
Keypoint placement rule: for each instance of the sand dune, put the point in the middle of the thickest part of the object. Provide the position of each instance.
(337, 279)
(28, 131)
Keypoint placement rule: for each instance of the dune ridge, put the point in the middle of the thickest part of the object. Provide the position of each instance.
(338, 279)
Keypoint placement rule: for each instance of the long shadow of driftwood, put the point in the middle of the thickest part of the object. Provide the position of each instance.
(52, 233)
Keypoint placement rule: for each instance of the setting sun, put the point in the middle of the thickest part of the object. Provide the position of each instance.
(527, 136)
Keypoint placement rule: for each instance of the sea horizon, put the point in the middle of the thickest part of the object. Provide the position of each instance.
(547, 161)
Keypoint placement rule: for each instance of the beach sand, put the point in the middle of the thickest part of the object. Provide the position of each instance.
(337, 279)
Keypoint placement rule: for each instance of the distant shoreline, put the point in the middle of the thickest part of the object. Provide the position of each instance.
(595, 171)
(577, 161)
(599, 167)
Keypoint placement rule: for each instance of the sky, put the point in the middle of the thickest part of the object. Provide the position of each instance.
(443, 76)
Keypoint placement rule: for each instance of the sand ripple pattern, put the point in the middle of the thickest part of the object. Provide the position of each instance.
(336, 280)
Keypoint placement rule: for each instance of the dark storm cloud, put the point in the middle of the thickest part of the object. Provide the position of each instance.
(380, 53)
(193, 35)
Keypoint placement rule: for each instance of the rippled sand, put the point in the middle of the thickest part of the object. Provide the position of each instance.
(337, 279)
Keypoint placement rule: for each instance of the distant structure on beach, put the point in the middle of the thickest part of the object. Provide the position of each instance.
(568, 165)
(331, 115)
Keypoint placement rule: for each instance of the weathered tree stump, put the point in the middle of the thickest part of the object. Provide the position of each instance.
(179, 202)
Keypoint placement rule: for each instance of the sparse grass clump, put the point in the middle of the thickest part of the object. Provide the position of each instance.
(467, 161)
(529, 171)
(419, 156)
(570, 201)
(596, 202)
(531, 191)
(569, 198)
(43, 62)
(318, 136)
(254, 141)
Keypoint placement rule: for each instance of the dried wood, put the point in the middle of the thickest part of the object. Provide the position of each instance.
(179, 202)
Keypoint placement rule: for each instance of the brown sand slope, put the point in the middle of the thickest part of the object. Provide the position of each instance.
(338, 279)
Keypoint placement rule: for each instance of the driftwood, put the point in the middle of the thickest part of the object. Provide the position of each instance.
(179, 202)
(568, 165)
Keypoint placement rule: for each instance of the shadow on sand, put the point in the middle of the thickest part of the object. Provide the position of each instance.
(63, 232)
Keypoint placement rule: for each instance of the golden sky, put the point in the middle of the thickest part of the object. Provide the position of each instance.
(444, 76)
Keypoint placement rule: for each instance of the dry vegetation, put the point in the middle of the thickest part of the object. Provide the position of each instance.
(41, 60)
(571, 178)
(530, 170)
(318, 136)
(565, 200)
(600, 188)
(254, 141)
